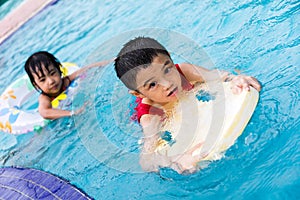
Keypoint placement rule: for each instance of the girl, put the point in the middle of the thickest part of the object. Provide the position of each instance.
(45, 75)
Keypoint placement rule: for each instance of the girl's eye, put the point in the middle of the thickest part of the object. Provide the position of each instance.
(152, 85)
(52, 73)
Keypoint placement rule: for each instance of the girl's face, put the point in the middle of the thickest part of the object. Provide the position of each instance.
(160, 82)
(49, 82)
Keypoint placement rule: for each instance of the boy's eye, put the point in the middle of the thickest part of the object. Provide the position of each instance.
(168, 69)
(42, 79)
(152, 85)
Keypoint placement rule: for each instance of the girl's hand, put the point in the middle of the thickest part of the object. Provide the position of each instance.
(242, 82)
(80, 110)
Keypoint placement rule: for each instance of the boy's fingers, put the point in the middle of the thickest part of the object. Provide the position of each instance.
(254, 82)
(245, 86)
(242, 82)
(236, 89)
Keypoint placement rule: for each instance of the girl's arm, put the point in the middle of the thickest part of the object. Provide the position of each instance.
(199, 74)
(75, 74)
(46, 110)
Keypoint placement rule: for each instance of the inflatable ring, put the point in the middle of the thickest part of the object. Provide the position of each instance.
(15, 117)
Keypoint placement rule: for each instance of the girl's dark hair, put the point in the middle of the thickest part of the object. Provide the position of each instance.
(136, 54)
(36, 61)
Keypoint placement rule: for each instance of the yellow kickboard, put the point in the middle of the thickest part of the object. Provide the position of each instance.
(209, 116)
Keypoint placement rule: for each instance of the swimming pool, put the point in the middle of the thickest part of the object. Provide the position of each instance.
(7, 6)
(260, 38)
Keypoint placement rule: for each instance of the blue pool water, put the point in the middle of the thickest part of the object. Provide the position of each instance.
(98, 150)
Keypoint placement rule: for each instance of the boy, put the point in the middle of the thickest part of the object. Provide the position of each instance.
(146, 68)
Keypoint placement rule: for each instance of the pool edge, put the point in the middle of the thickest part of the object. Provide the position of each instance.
(20, 15)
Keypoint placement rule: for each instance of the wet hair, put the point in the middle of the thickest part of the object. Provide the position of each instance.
(35, 63)
(135, 55)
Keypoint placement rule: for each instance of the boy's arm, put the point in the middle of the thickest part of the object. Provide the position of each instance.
(46, 110)
(75, 74)
(150, 160)
(199, 74)
(196, 73)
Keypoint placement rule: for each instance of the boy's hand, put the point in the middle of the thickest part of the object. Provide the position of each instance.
(187, 162)
(242, 82)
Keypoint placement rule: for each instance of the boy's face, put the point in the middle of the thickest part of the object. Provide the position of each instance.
(159, 82)
(49, 82)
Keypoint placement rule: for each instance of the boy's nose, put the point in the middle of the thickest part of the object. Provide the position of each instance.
(166, 84)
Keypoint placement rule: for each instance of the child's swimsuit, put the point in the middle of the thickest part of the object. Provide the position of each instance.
(142, 109)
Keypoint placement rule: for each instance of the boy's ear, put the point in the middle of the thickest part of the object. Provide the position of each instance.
(137, 94)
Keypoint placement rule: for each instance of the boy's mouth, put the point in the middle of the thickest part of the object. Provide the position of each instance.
(173, 92)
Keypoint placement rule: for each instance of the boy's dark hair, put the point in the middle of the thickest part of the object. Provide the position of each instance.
(35, 62)
(136, 54)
